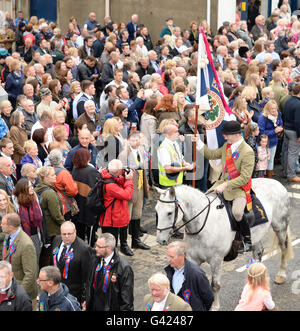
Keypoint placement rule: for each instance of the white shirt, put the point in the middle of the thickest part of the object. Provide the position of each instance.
(61, 249)
(159, 306)
(108, 258)
(236, 145)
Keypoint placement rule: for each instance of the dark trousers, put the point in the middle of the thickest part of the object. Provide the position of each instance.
(116, 232)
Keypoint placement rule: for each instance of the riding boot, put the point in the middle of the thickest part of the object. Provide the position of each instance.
(246, 234)
(136, 242)
(124, 248)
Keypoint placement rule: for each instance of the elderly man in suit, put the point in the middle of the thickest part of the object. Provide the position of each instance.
(20, 252)
(235, 183)
(188, 280)
(6, 181)
(160, 298)
(73, 257)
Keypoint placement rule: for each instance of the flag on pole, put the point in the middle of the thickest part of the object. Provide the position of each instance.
(210, 97)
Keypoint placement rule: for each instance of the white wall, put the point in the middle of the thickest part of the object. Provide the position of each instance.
(226, 11)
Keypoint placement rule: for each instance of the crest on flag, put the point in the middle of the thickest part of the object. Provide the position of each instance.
(216, 114)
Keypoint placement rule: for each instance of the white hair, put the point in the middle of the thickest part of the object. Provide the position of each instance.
(114, 165)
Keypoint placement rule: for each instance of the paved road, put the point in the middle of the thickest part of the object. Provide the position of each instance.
(286, 296)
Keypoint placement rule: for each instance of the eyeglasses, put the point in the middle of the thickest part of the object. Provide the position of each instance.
(42, 280)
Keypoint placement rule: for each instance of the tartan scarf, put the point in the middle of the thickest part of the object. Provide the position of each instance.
(31, 217)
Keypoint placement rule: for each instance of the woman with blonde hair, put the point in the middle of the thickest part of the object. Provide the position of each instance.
(249, 94)
(180, 100)
(113, 142)
(31, 156)
(254, 81)
(256, 294)
(270, 123)
(240, 111)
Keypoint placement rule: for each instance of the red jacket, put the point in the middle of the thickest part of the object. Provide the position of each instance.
(117, 214)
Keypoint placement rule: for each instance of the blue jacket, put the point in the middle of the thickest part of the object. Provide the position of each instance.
(69, 160)
(3, 128)
(196, 283)
(131, 31)
(133, 108)
(14, 84)
(267, 127)
(61, 300)
(91, 25)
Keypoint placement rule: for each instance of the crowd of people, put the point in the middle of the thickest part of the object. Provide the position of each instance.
(105, 102)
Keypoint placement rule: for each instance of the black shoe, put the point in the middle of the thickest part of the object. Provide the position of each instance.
(139, 244)
(126, 250)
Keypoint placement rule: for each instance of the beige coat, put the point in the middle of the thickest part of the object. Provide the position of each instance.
(173, 303)
(244, 165)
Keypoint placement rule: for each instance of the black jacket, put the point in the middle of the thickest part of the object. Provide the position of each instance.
(142, 72)
(78, 268)
(195, 280)
(17, 299)
(107, 73)
(85, 72)
(119, 294)
(292, 115)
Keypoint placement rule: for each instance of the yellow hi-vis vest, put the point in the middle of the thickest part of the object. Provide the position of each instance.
(176, 159)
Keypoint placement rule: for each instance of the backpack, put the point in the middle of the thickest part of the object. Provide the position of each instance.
(95, 200)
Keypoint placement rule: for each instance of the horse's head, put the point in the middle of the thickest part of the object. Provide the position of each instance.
(168, 214)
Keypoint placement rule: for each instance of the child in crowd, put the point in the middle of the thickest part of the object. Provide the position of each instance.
(263, 156)
(251, 133)
(267, 94)
(256, 295)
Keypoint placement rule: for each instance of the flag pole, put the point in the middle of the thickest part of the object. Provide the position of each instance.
(195, 146)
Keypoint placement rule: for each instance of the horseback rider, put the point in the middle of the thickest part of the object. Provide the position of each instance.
(235, 181)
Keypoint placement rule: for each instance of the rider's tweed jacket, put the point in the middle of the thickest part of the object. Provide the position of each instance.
(244, 165)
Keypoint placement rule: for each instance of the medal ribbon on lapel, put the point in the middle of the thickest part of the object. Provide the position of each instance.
(69, 256)
(54, 253)
(187, 295)
(233, 173)
(96, 273)
(106, 278)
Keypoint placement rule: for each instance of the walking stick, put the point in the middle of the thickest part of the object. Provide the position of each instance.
(91, 231)
(195, 146)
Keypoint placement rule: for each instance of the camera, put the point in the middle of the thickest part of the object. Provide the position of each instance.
(126, 170)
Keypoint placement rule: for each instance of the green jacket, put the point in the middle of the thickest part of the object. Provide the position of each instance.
(244, 165)
(52, 208)
(279, 93)
(24, 263)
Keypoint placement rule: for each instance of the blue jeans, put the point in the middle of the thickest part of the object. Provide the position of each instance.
(272, 150)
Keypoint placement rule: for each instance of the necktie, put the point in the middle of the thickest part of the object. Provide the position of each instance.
(103, 265)
(10, 184)
(8, 241)
(63, 253)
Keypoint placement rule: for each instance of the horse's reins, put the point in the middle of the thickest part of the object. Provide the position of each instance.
(177, 205)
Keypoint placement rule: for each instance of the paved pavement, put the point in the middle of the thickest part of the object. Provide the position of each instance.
(286, 296)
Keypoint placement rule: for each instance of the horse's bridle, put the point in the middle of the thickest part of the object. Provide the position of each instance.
(177, 206)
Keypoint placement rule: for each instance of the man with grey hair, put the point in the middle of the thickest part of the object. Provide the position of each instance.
(30, 117)
(110, 286)
(188, 280)
(12, 296)
(55, 295)
(90, 118)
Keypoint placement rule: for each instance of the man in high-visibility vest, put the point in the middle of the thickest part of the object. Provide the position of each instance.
(171, 164)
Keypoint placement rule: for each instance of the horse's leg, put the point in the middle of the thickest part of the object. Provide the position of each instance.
(258, 251)
(216, 270)
(284, 238)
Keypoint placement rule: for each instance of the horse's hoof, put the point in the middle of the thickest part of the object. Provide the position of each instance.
(215, 308)
(279, 280)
